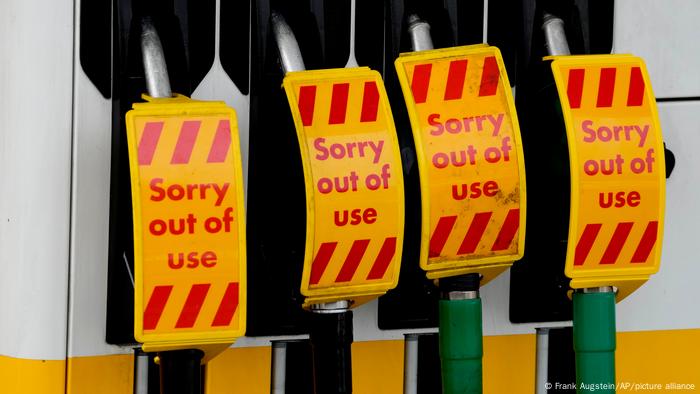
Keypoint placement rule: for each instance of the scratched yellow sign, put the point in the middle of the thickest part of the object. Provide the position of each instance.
(470, 159)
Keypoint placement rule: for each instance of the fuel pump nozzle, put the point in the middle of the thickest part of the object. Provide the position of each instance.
(331, 332)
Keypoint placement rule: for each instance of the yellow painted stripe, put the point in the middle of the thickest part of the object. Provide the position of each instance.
(509, 364)
(19, 375)
(377, 367)
(659, 357)
(239, 370)
(101, 374)
(509, 367)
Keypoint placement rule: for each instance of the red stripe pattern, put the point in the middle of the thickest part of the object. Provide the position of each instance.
(615, 244)
(339, 103)
(318, 266)
(612, 252)
(307, 101)
(646, 245)
(489, 77)
(193, 304)
(508, 231)
(440, 235)
(584, 245)
(421, 82)
(185, 142)
(475, 233)
(149, 142)
(606, 87)
(574, 89)
(370, 102)
(189, 313)
(635, 95)
(222, 142)
(154, 308)
(381, 263)
(227, 307)
(455, 79)
(352, 261)
(338, 112)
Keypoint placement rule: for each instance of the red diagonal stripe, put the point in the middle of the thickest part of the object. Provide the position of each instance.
(185, 142)
(194, 302)
(370, 102)
(635, 95)
(221, 144)
(489, 78)
(307, 100)
(606, 87)
(149, 142)
(318, 266)
(508, 230)
(647, 243)
(156, 304)
(227, 307)
(357, 250)
(612, 252)
(574, 89)
(386, 253)
(440, 235)
(339, 103)
(476, 231)
(585, 243)
(421, 82)
(455, 79)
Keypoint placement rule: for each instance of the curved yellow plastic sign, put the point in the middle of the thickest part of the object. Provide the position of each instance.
(470, 159)
(354, 184)
(617, 170)
(189, 229)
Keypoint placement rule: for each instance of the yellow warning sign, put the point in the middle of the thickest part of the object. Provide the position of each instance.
(617, 170)
(470, 159)
(189, 229)
(354, 183)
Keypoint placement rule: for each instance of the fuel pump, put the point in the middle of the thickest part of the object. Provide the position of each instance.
(187, 197)
(354, 198)
(617, 194)
(472, 186)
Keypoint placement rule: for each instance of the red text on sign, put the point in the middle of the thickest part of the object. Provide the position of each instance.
(621, 199)
(475, 190)
(466, 124)
(191, 191)
(207, 259)
(349, 149)
(354, 216)
(606, 133)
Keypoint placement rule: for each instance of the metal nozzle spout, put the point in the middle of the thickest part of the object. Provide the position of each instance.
(155, 69)
(554, 35)
(419, 30)
(290, 55)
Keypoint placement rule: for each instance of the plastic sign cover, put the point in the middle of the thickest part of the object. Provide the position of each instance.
(189, 230)
(617, 169)
(470, 158)
(354, 183)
